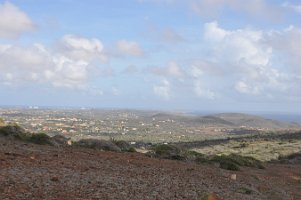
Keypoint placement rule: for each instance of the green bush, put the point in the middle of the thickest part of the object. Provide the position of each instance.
(290, 156)
(123, 145)
(234, 161)
(132, 150)
(195, 157)
(167, 151)
(11, 130)
(17, 132)
(2, 123)
(14, 131)
(39, 138)
(245, 190)
(228, 165)
(98, 144)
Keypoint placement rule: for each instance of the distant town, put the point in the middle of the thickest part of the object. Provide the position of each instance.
(133, 125)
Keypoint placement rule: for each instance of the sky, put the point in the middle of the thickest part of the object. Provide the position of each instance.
(196, 55)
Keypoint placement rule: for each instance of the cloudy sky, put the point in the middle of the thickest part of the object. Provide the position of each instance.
(219, 55)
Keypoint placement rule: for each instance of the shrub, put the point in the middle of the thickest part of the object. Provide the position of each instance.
(14, 132)
(228, 165)
(195, 157)
(290, 158)
(2, 123)
(245, 190)
(98, 144)
(234, 161)
(167, 151)
(11, 130)
(59, 140)
(39, 138)
(123, 145)
(132, 150)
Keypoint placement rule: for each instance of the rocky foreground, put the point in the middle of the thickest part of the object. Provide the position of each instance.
(31, 171)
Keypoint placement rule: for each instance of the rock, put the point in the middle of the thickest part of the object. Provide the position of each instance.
(69, 142)
(59, 140)
(54, 179)
(212, 196)
(233, 177)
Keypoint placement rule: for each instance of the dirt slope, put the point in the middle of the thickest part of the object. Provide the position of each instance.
(30, 171)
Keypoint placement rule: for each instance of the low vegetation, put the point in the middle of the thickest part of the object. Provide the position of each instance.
(245, 190)
(264, 147)
(228, 162)
(98, 144)
(106, 145)
(17, 132)
(2, 123)
(167, 152)
(234, 162)
(290, 158)
(124, 145)
(230, 156)
(39, 138)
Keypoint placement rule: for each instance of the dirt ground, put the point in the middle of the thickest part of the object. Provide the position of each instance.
(29, 171)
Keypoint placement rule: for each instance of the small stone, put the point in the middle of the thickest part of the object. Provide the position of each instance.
(212, 196)
(233, 177)
(55, 179)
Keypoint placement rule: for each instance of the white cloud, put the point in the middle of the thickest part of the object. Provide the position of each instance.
(199, 73)
(212, 8)
(80, 48)
(68, 73)
(172, 70)
(201, 91)
(131, 69)
(296, 8)
(71, 67)
(244, 88)
(158, 1)
(287, 42)
(13, 21)
(214, 33)
(21, 61)
(129, 48)
(115, 91)
(196, 72)
(241, 45)
(163, 90)
(171, 36)
(248, 57)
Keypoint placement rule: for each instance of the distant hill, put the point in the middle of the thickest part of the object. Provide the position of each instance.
(172, 116)
(211, 120)
(240, 119)
(227, 119)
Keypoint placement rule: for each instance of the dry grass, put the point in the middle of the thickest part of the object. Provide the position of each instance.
(261, 150)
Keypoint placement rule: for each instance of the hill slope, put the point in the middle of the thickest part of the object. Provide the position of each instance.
(30, 171)
(226, 119)
(239, 119)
